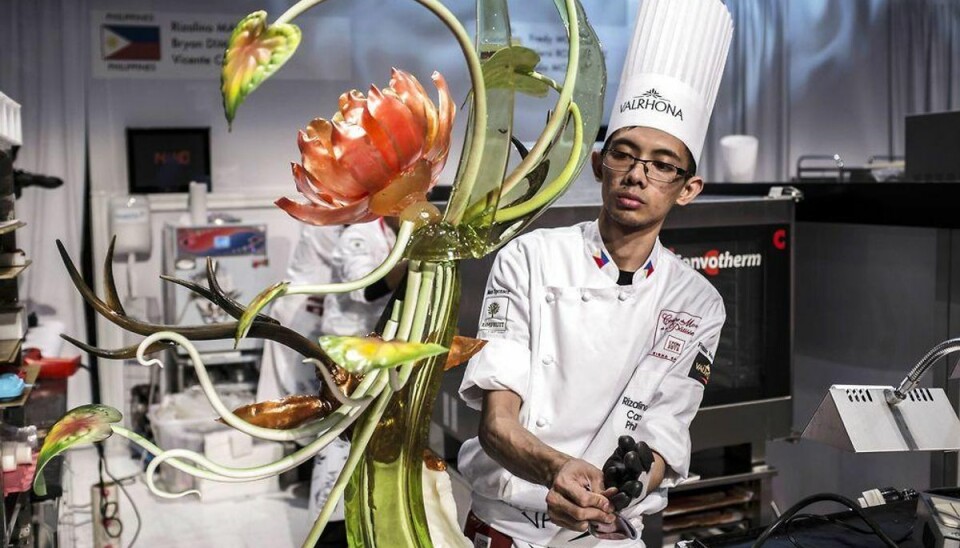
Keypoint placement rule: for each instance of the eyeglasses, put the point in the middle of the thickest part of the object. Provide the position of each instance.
(655, 170)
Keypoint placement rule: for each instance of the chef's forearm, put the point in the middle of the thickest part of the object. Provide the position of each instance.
(657, 471)
(506, 441)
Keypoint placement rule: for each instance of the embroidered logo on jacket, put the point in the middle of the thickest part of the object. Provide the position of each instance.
(493, 316)
(679, 322)
(700, 370)
(675, 330)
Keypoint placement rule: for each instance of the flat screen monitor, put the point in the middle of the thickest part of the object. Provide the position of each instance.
(167, 159)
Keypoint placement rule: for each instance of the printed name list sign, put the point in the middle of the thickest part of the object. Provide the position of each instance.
(158, 45)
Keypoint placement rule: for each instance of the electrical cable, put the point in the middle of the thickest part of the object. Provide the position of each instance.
(136, 512)
(822, 497)
(845, 525)
(796, 543)
(107, 517)
(827, 519)
(108, 511)
(838, 523)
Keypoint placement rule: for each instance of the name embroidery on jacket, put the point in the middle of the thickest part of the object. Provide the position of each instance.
(634, 412)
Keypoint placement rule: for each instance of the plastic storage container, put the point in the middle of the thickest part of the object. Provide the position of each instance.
(10, 132)
(176, 425)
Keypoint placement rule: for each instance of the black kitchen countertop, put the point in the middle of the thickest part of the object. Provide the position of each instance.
(934, 205)
(919, 204)
(897, 519)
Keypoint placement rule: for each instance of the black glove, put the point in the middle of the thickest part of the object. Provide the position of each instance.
(628, 469)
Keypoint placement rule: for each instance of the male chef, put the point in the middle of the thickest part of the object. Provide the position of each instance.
(596, 331)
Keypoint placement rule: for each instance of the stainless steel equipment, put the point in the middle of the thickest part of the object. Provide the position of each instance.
(242, 268)
(859, 419)
(870, 419)
(938, 517)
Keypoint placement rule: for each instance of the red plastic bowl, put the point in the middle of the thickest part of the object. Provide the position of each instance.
(54, 368)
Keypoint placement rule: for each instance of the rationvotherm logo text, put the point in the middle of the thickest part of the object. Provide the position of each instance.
(651, 100)
(713, 261)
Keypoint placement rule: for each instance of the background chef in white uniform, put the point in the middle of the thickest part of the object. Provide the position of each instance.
(282, 372)
(360, 249)
(328, 255)
(596, 330)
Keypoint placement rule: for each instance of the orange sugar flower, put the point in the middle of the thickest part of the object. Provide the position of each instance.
(376, 156)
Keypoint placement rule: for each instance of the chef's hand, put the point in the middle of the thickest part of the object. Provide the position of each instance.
(576, 497)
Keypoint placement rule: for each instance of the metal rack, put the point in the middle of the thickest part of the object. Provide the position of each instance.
(17, 529)
(830, 168)
(821, 167)
(744, 498)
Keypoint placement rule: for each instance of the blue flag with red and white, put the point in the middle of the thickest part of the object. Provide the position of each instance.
(130, 42)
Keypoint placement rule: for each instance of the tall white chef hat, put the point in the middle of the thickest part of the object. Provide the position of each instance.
(673, 68)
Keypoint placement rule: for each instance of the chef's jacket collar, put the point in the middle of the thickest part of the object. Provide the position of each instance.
(598, 254)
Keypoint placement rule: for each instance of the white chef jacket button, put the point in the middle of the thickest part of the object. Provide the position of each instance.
(541, 422)
(585, 297)
(547, 360)
(623, 296)
(550, 298)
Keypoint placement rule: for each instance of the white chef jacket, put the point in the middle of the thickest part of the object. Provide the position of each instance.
(282, 372)
(592, 361)
(361, 249)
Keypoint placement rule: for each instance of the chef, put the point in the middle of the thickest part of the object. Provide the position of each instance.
(360, 249)
(282, 372)
(328, 254)
(597, 331)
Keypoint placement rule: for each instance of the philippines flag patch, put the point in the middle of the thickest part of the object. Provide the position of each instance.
(649, 269)
(130, 42)
(601, 259)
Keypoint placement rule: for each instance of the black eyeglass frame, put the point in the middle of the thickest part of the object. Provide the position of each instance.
(681, 173)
